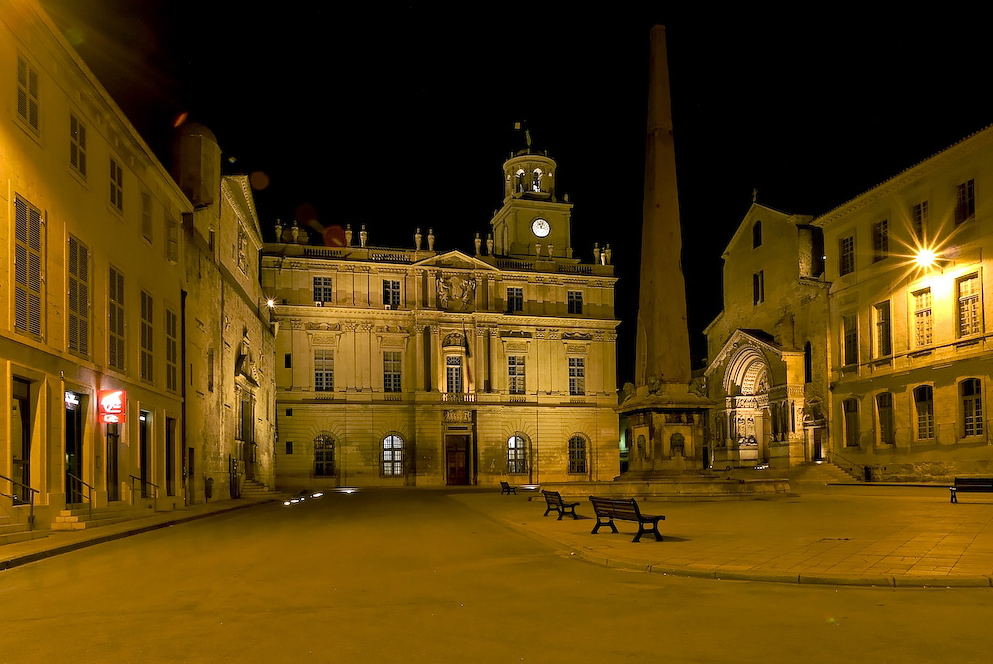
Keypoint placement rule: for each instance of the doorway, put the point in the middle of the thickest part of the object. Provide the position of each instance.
(73, 450)
(20, 435)
(113, 451)
(818, 450)
(144, 441)
(456, 460)
(170, 459)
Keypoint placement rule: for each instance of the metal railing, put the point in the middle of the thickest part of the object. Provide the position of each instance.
(76, 481)
(144, 491)
(846, 465)
(19, 499)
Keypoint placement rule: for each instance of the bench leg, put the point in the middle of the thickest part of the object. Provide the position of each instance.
(547, 511)
(955, 498)
(572, 511)
(642, 530)
(600, 522)
(561, 514)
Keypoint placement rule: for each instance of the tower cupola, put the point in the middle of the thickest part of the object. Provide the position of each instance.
(529, 176)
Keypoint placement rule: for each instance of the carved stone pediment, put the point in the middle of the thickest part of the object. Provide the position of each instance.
(324, 339)
(323, 326)
(456, 292)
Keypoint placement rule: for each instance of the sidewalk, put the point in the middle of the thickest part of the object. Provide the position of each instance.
(21, 553)
(845, 535)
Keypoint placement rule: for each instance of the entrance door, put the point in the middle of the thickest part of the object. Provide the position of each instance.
(170, 460)
(456, 454)
(818, 452)
(113, 448)
(74, 454)
(20, 447)
(144, 441)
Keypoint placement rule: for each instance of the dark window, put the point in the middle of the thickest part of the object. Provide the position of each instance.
(850, 337)
(391, 293)
(971, 390)
(757, 234)
(575, 302)
(27, 93)
(965, 202)
(288, 360)
(758, 287)
(323, 291)
(846, 253)
(324, 455)
(116, 185)
(808, 363)
(28, 261)
(850, 407)
(289, 447)
(924, 404)
(515, 299)
(289, 412)
(77, 145)
(880, 240)
(884, 413)
(882, 315)
(577, 454)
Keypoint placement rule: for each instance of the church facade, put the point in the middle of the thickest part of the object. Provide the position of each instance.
(417, 367)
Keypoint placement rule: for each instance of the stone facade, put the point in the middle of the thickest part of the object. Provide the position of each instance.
(408, 366)
(766, 348)
(909, 355)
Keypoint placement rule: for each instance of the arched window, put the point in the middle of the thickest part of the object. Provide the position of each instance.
(577, 454)
(521, 180)
(324, 455)
(757, 234)
(850, 408)
(536, 180)
(517, 455)
(393, 456)
(884, 415)
(971, 395)
(924, 405)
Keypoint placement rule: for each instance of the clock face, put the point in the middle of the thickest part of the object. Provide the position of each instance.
(540, 227)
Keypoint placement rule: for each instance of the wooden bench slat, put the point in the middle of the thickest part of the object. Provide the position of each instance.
(971, 485)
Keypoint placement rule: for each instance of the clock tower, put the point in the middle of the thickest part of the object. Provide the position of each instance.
(532, 219)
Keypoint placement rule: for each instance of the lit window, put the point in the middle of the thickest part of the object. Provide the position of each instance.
(172, 350)
(850, 338)
(924, 405)
(536, 180)
(850, 408)
(919, 219)
(77, 145)
(515, 299)
(323, 455)
(115, 331)
(323, 292)
(884, 413)
(923, 323)
(453, 374)
(79, 297)
(971, 392)
(116, 185)
(27, 93)
(521, 180)
(391, 293)
(846, 252)
(517, 455)
(970, 314)
(391, 371)
(758, 287)
(28, 265)
(965, 202)
(881, 313)
(574, 301)
(577, 454)
(393, 456)
(577, 376)
(146, 346)
(757, 234)
(515, 374)
(323, 370)
(880, 241)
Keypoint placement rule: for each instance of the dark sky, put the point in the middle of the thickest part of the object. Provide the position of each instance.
(401, 116)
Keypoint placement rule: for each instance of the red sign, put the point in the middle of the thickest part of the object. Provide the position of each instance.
(111, 405)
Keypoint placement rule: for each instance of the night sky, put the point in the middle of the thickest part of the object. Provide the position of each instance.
(401, 116)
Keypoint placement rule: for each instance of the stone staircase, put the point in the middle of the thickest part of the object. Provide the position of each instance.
(11, 531)
(254, 490)
(822, 473)
(81, 518)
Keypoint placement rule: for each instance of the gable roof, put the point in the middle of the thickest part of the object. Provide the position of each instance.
(455, 260)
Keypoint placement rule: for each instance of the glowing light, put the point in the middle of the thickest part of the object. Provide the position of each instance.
(925, 257)
(317, 495)
(180, 119)
(286, 502)
(271, 303)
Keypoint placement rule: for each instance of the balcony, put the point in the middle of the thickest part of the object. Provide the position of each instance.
(458, 397)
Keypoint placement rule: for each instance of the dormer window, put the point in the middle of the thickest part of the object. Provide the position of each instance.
(536, 180)
(757, 234)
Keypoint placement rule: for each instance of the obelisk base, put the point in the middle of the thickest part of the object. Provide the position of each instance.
(666, 431)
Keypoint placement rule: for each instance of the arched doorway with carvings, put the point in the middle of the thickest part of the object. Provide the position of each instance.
(747, 384)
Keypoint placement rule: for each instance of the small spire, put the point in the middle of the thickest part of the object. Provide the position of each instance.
(755, 194)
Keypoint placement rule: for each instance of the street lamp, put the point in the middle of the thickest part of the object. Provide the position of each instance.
(925, 258)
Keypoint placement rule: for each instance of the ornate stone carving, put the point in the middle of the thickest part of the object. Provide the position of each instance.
(311, 325)
(516, 346)
(455, 292)
(459, 416)
(576, 349)
(583, 336)
(453, 339)
(324, 339)
(296, 324)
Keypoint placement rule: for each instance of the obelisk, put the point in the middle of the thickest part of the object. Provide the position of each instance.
(663, 346)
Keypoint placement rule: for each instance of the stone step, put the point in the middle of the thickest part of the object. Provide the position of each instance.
(21, 535)
(78, 519)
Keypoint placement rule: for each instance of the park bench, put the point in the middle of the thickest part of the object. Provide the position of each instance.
(554, 501)
(971, 485)
(625, 509)
(505, 488)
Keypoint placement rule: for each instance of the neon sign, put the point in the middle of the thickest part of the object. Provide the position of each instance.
(111, 405)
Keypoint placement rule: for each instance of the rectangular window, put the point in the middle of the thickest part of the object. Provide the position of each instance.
(77, 145)
(146, 215)
(850, 408)
(28, 265)
(289, 447)
(970, 314)
(880, 241)
(27, 93)
(116, 185)
(79, 297)
(924, 404)
(965, 202)
(323, 370)
(323, 292)
(391, 293)
(172, 350)
(172, 240)
(391, 371)
(850, 338)
(758, 287)
(288, 360)
(515, 299)
(575, 302)
(919, 219)
(577, 376)
(577, 455)
(881, 313)
(515, 374)
(923, 323)
(884, 413)
(146, 347)
(846, 253)
(972, 407)
(115, 326)
(453, 374)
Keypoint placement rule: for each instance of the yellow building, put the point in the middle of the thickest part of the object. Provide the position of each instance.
(766, 349)
(409, 366)
(100, 252)
(908, 351)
